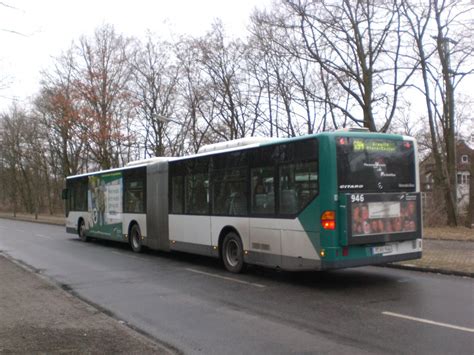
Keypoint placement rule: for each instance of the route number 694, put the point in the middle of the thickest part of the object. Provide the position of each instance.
(357, 198)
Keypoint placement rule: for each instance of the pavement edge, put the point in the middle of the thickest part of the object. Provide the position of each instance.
(431, 270)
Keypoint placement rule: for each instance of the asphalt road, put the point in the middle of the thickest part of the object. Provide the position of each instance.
(193, 304)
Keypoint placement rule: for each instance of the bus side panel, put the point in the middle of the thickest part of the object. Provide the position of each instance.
(73, 218)
(281, 243)
(157, 206)
(298, 253)
(190, 233)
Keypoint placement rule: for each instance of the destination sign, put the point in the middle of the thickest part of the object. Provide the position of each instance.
(371, 145)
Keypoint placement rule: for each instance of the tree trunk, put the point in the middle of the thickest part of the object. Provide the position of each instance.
(448, 113)
(470, 211)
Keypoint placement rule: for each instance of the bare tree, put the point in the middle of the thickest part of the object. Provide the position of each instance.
(358, 45)
(154, 87)
(261, 57)
(444, 48)
(57, 107)
(470, 211)
(278, 78)
(101, 77)
(196, 103)
(223, 60)
(23, 158)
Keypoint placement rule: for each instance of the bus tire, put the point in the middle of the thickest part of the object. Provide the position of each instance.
(135, 238)
(81, 231)
(233, 253)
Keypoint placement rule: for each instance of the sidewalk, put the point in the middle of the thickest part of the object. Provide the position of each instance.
(38, 317)
(445, 250)
(444, 257)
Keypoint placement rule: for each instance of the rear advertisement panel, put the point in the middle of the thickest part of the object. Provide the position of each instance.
(383, 217)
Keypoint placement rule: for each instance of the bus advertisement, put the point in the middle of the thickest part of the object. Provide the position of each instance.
(324, 201)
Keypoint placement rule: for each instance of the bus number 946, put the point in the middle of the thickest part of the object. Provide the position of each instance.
(357, 198)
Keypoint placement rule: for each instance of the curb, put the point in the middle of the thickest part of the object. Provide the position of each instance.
(432, 270)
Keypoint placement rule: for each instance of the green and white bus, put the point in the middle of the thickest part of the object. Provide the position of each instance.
(323, 201)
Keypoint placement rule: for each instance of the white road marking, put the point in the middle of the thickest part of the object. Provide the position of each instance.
(427, 321)
(20, 230)
(226, 278)
(43, 236)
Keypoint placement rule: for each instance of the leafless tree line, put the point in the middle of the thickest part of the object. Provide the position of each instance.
(306, 67)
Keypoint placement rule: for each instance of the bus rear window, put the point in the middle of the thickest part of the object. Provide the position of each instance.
(375, 165)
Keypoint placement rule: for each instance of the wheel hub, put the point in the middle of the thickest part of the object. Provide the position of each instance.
(233, 253)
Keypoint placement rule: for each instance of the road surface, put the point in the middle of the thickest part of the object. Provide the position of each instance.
(193, 304)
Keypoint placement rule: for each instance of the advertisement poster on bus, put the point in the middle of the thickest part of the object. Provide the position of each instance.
(105, 205)
(375, 214)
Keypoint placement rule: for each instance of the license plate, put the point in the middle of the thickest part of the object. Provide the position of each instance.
(384, 249)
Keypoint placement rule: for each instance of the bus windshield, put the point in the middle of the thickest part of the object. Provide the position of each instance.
(375, 165)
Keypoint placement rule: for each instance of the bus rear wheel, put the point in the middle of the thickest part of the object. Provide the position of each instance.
(233, 253)
(135, 238)
(81, 231)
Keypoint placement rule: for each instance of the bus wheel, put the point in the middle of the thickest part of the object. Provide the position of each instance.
(135, 238)
(233, 253)
(81, 231)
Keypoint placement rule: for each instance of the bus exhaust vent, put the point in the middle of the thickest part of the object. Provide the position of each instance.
(235, 143)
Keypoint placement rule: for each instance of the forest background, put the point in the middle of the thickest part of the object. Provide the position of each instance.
(304, 67)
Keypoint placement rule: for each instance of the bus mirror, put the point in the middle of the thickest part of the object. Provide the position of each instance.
(64, 194)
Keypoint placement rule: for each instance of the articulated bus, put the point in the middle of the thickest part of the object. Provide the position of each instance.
(323, 201)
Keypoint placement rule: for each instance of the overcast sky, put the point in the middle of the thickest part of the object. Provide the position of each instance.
(47, 27)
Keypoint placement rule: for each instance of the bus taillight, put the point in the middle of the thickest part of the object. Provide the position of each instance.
(328, 220)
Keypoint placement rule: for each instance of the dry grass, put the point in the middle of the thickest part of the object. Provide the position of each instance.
(449, 233)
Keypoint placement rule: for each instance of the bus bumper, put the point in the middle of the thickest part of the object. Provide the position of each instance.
(371, 260)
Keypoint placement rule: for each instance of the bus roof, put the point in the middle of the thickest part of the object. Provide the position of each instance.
(107, 171)
(225, 147)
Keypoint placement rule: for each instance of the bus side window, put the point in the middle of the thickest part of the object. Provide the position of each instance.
(229, 179)
(262, 187)
(177, 194)
(298, 186)
(196, 192)
(72, 196)
(135, 195)
(196, 186)
(229, 192)
(78, 194)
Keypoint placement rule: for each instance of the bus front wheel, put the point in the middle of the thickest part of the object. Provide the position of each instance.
(81, 231)
(233, 253)
(135, 239)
